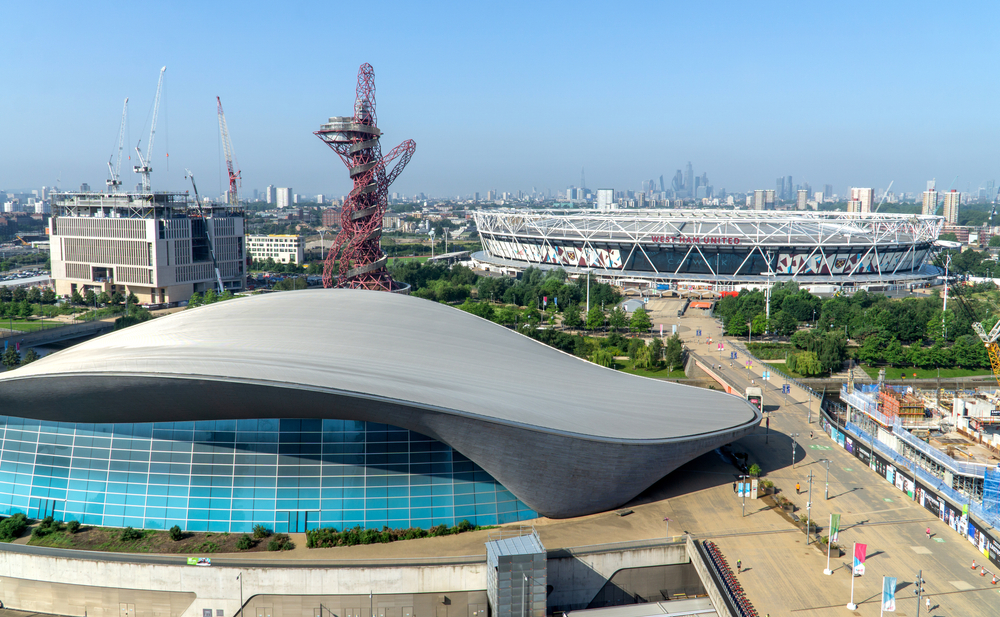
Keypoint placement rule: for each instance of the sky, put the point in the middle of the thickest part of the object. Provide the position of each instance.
(508, 95)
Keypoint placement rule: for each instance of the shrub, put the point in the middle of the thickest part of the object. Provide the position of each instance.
(755, 470)
(260, 532)
(12, 527)
(129, 534)
(73, 526)
(464, 525)
(281, 542)
(40, 532)
(176, 533)
(244, 543)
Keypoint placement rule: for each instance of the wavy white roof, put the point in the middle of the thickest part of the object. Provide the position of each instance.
(405, 349)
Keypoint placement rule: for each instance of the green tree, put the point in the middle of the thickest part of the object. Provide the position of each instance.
(11, 357)
(895, 355)
(572, 318)
(288, 284)
(480, 309)
(20, 295)
(807, 364)
(617, 319)
(117, 298)
(595, 318)
(784, 323)
(673, 353)
(90, 298)
(759, 324)
(103, 298)
(656, 351)
(603, 357)
(643, 357)
(640, 321)
(25, 309)
(195, 300)
(994, 241)
(505, 316)
(30, 356)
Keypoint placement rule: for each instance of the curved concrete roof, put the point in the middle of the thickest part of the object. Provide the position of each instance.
(403, 348)
(491, 393)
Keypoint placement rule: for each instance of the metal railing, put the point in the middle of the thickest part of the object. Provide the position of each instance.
(966, 469)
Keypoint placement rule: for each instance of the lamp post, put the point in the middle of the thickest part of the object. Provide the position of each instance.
(809, 504)
(239, 577)
(793, 436)
(826, 495)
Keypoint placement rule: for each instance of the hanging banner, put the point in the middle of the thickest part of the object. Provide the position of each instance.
(860, 550)
(889, 593)
(834, 527)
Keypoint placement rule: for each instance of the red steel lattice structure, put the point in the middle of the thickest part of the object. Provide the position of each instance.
(356, 140)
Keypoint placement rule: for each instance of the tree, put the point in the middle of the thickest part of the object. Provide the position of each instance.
(895, 355)
(34, 295)
(807, 365)
(595, 318)
(656, 351)
(103, 298)
(994, 241)
(6, 295)
(673, 352)
(195, 300)
(76, 298)
(759, 324)
(643, 357)
(603, 357)
(640, 321)
(11, 357)
(571, 317)
(784, 323)
(617, 320)
(30, 356)
(20, 295)
(480, 309)
(48, 296)
(90, 298)
(117, 298)
(506, 316)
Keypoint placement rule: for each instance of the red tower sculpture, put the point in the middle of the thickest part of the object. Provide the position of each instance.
(356, 140)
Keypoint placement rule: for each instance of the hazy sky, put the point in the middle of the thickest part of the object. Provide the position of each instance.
(508, 95)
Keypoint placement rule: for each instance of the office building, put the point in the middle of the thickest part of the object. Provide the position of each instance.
(802, 196)
(769, 200)
(154, 245)
(952, 200)
(282, 248)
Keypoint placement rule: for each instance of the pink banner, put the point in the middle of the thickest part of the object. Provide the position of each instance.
(859, 559)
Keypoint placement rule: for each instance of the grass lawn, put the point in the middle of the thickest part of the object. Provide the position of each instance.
(662, 373)
(922, 373)
(28, 325)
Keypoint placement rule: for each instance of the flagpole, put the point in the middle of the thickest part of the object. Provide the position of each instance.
(881, 604)
(829, 541)
(852, 606)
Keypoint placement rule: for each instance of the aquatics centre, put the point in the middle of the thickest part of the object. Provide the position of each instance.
(338, 407)
(722, 250)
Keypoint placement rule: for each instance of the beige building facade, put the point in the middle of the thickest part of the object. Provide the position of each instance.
(282, 248)
(153, 245)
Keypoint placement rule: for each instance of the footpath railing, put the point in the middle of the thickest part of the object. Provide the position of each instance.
(730, 585)
(816, 395)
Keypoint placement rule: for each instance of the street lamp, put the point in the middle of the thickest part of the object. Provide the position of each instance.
(809, 504)
(827, 493)
(239, 577)
(793, 436)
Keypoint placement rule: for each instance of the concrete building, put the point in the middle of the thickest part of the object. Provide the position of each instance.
(801, 199)
(282, 248)
(758, 200)
(930, 202)
(156, 245)
(863, 197)
(952, 201)
(284, 197)
(340, 407)
(269, 195)
(605, 199)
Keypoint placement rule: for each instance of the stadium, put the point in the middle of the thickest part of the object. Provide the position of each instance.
(338, 407)
(718, 250)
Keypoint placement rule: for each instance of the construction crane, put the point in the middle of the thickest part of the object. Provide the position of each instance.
(227, 148)
(144, 168)
(989, 339)
(115, 181)
(208, 235)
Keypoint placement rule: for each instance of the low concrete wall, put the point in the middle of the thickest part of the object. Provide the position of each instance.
(76, 583)
(718, 601)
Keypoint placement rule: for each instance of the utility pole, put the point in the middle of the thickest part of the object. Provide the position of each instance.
(793, 436)
(944, 308)
(827, 495)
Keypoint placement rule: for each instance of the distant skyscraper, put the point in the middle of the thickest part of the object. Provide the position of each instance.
(779, 187)
(269, 194)
(663, 188)
(864, 198)
(801, 198)
(930, 200)
(689, 180)
(952, 200)
(284, 197)
(605, 199)
(769, 200)
(827, 191)
(789, 188)
(84, 188)
(759, 196)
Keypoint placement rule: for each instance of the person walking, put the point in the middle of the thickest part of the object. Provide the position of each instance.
(928, 533)
(739, 567)
(797, 487)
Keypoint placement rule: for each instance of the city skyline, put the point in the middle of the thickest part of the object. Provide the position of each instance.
(511, 99)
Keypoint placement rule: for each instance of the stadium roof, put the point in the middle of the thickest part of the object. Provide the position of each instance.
(380, 346)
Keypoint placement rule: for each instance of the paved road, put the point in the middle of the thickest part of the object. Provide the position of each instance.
(786, 578)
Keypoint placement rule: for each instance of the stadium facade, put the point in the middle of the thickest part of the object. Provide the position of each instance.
(338, 408)
(718, 249)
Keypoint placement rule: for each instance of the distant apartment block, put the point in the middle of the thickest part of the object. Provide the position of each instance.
(952, 200)
(282, 248)
(284, 197)
(930, 202)
(605, 199)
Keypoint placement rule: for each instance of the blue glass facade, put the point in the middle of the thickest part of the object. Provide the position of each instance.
(228, 475)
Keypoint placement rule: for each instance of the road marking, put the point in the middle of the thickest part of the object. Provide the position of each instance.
(960, 585)
(939, 539)
(848, 469)
(920, 550)
(815, 447)
(886, 499)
